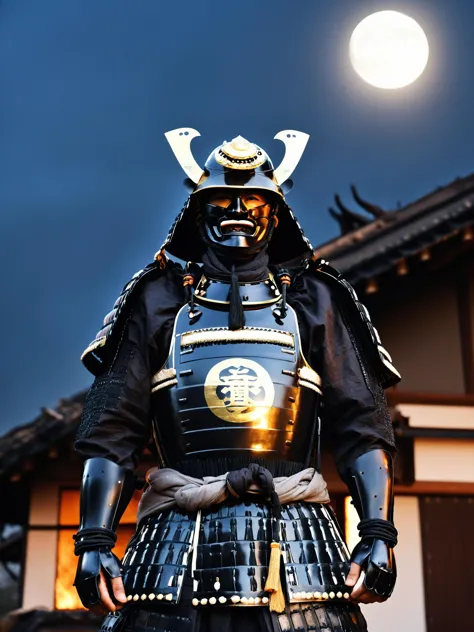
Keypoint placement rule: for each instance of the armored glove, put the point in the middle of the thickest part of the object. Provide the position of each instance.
(105, 493)
(370, 481)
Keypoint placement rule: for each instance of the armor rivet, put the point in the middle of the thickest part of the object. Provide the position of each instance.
(204, 602)
(346, 595)
(119, 482)
(130, 597)
(265, 599)
(217, 584)
(151, 596)
(244, 600)
(317, 595)
(195, 602)
(257, 600)
(212, 601)
(339, 595)
(136, 597)
(308, 595)
(222, 599)
(169, 597)
(297, 595)
(332, 595)
(143, 597)
(160, 596)
(287, 442)
(235, 599)
(325, 595)
(251, 599)
(291, 422)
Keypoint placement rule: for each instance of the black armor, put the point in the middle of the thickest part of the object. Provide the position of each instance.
(240, 165)
(99, 354)
(243, 393)
(370, 481)
(235, 389)
(232, 555)
(105, 493)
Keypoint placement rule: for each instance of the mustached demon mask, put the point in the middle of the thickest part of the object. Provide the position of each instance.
(238, 200)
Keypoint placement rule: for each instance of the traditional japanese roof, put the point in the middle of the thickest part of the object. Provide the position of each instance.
(38, 437)
(370, 246)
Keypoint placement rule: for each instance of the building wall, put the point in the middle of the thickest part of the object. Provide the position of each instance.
(405, 610)
(446, 460)
(420, 329)
(470, 317)
(41, 546)
(438, 416)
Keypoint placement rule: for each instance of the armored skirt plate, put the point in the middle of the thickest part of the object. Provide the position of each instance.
(229, 565)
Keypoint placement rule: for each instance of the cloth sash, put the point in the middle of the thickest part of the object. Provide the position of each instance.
(169, 489)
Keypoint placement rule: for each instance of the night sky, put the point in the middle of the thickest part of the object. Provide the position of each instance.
(89, 185)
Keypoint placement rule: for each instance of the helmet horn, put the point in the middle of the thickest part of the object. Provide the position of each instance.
(180, 142)
(295, 143)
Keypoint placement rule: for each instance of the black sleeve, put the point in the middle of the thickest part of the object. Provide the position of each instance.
(116, 422)
(354, 410)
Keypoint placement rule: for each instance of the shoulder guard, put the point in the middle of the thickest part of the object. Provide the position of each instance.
(100, 352)
(360, 324)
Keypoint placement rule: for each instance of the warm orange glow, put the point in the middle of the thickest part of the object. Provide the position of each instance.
(351, 522)
(257, 447)
(372, 287)
(263, 422)
(69, 508)
(65, 594)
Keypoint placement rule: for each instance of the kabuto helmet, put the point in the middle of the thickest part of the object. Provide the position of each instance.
(237, 167)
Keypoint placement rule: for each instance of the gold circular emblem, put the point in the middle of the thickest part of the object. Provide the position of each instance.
(239, 390)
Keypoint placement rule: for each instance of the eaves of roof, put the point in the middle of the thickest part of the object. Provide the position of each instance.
(37, 437)
(376, 247)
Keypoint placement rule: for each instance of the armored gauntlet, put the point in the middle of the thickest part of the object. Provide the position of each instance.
(106, 491)
(370, 481)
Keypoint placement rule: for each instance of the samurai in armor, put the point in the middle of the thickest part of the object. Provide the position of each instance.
(232, 365)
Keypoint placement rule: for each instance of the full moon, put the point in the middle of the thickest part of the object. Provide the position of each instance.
(389, 50)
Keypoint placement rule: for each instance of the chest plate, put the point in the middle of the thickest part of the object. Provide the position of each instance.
(226, 393)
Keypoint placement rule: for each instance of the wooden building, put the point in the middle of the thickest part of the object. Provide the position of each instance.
(414, 270)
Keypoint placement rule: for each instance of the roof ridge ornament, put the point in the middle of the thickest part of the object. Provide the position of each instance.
(374, 209)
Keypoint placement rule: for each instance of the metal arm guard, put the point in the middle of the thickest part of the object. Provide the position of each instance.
(106, 491)
(370, 481)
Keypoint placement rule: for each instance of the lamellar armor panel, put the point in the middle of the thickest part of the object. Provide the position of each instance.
(246, 393)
